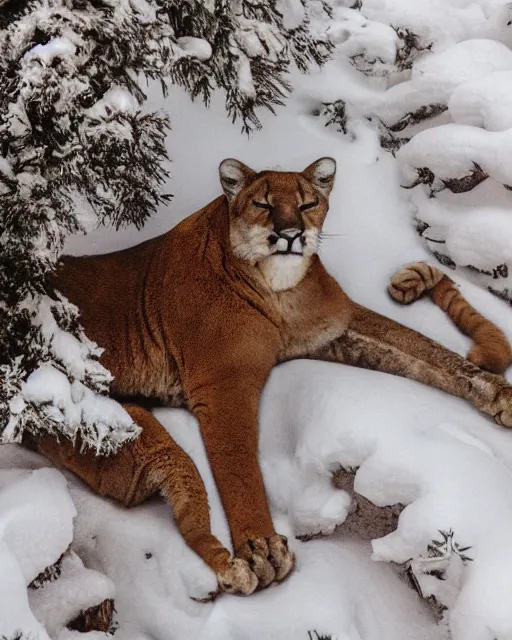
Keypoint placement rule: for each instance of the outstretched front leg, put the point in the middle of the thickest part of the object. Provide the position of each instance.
(375, 342)
(227, 410)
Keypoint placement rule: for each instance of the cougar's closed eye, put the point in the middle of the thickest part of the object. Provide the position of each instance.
(308, 205)
(262, 205)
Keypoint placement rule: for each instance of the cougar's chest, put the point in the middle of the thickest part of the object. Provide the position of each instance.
(311, 315)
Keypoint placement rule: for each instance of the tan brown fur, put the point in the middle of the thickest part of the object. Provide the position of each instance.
(492, 350)
(201, 315)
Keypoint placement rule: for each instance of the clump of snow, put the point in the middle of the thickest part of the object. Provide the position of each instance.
(117, 99)
(452, 150)
(36, 518)
(6, 168)
(371, 45)
(462, 62)
(195, 47)
(256, 38)
(36, 527)
(245, 80)
(293, 13)
(442, 22)
(73, 404)
(485, 102)
(65, 347)
(480, 237)
(434, 77)
(146, 12)
(56, 47)
(77, 589)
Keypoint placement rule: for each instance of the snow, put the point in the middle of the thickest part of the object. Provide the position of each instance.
(36, 527)
(70, 403)
(485, 102)
(425, 448)
(451, 151)
(477, 236)
(56, 47)
(256, 38)
(195, 47)
(76, 589)
(73, 403)
(435, 77)
(27, 508)
(116, 99)
(365, 41)
(443, 22)
(293, 13)
(245, 81)
(447, 465)
(14, 610)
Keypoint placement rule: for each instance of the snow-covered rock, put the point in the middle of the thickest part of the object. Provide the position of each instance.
(36, 529)
(77, 589)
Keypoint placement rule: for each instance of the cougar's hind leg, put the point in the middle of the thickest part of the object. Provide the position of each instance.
(375, 342)
(154, 463)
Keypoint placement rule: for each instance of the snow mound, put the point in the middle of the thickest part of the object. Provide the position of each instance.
(451, 151)
(433, 454)
(36, 518)
(434, 77)
(412, 454)
(370, 45)
(76, 589)
(485, 102)
(480, 237)
(36, 529)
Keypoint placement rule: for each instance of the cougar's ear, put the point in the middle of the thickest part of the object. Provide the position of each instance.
(233, 174)
(321, 173)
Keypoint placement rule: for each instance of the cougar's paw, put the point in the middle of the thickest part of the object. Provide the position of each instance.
(409, 283)
(237, 578)
(269, 558)
(502, 407)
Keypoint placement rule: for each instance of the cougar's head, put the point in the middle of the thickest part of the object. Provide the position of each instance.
(276, 217)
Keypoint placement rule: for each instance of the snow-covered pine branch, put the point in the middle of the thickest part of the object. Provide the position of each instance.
(76, 150)
(441, 104)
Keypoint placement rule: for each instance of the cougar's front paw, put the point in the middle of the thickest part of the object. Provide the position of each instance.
(269, 558)
(237, 578)
(502, 407)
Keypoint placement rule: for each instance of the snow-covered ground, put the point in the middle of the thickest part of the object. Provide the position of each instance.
(411, 445)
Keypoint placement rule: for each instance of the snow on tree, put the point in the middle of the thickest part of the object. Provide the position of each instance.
(76, 150)
(457, 67)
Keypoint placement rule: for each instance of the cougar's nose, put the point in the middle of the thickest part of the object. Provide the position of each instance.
(290, 233)
(288, 240)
